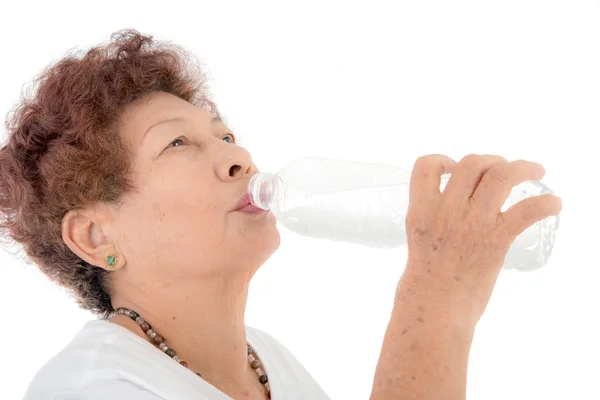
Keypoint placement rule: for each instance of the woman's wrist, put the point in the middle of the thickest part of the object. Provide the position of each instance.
(426, 347)
(444, 300)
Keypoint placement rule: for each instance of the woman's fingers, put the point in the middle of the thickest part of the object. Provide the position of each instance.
(527, 212)
(426, 175)
(468, 173)
(499, 180)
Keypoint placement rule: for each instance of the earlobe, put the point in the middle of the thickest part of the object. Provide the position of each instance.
(83, 233)
(112, 261)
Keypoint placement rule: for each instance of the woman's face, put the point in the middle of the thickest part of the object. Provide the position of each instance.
(180, 222)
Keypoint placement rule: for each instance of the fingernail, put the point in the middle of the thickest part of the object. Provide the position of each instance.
(541, 167)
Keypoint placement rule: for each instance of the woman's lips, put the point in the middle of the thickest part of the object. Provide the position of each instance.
(250, 209)
(245, 206)
(243, 202)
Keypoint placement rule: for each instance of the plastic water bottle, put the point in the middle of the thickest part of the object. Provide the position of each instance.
(367, 203)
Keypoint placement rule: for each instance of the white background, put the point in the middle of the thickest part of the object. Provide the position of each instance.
(384, 82)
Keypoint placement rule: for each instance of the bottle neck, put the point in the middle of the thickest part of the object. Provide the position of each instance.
(263, 190)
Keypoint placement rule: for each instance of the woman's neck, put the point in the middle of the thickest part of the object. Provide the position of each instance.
(204, 323)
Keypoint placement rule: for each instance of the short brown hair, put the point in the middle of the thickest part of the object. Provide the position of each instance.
(64, 152)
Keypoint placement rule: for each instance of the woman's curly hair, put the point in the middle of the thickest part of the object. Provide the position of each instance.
(64, 152)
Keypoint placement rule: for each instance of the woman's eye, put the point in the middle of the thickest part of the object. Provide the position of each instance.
(181, 141)
(229, 138)
(176, 143)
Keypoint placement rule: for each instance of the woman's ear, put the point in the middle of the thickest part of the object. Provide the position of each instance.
(87, 233)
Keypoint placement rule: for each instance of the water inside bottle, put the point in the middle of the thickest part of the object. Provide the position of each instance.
(532, 248)
(373, 216)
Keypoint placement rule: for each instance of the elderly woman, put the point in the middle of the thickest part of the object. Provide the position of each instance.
(124, 185)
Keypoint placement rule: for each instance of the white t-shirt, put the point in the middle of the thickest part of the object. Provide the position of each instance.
(106, 361)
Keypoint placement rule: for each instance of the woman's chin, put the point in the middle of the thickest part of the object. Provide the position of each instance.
(266, 241)
(260, 245)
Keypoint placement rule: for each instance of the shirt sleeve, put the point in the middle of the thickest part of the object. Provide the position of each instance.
(111, 389)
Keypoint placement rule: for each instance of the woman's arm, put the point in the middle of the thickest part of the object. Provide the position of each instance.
(425, 349)
(457, 242)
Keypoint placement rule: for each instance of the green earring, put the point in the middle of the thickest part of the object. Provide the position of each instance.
(111, 261)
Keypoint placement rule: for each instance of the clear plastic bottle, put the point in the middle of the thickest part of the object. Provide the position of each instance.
(367, 203)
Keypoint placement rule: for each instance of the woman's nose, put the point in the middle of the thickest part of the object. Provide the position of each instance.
(234, 164)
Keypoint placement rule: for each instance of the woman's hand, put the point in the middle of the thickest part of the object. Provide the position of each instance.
(458, 239)
(457, 242)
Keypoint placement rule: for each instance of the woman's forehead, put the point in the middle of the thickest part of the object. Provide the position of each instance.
(158, 108)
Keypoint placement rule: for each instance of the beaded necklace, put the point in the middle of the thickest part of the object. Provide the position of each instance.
(160, 342)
